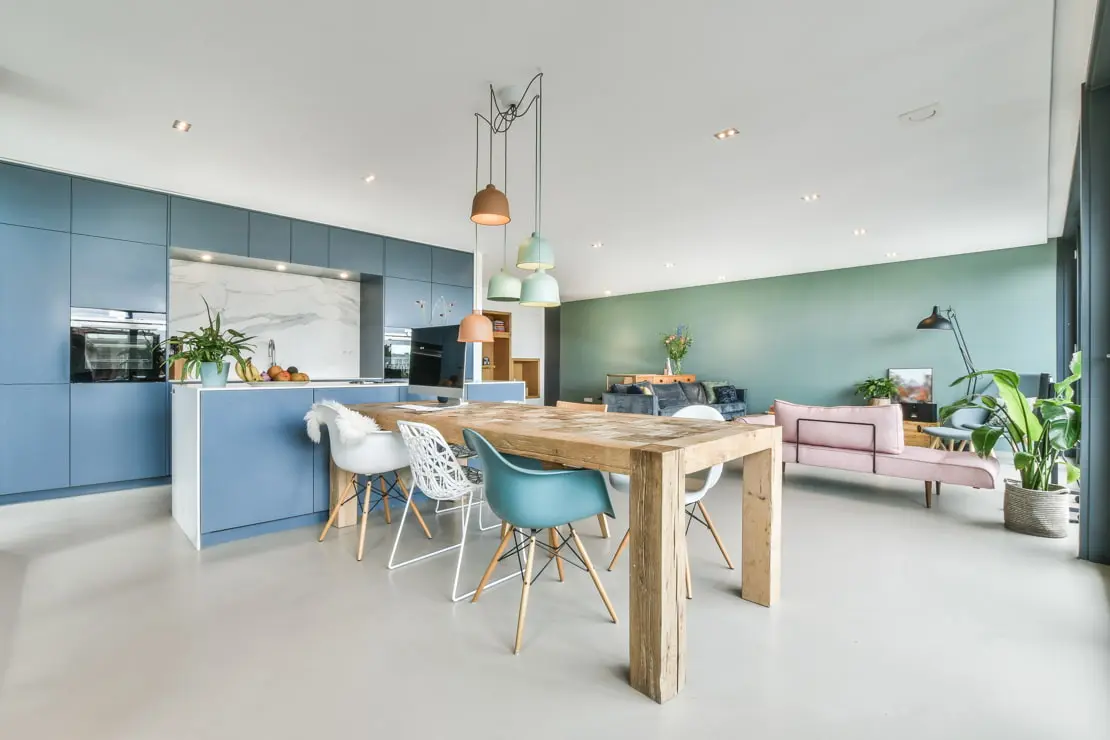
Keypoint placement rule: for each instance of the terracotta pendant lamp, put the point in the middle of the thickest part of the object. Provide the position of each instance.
(476, 328)
(490, 207)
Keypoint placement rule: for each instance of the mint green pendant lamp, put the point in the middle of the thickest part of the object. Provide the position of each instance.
(539, 289)
(535, 253)
(503, 287)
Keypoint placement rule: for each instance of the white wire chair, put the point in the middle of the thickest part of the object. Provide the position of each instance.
(439, 476)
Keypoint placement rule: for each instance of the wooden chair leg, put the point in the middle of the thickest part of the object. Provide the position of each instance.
(935, 444)
(553, 540)
(385, 498)
(603, 522)
(689, 577)
(928, 494)
(620, 549)
(524, 593)
(593, 574)
(365, 518)
(335, 509)
(713, 531)
(507, 533)
(415, 510)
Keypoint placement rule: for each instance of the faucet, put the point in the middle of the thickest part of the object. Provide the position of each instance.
(270, 347)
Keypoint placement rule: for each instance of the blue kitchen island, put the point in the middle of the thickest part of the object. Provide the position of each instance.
(243, 464)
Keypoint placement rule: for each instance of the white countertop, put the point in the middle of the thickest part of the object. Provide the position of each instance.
(280, 385)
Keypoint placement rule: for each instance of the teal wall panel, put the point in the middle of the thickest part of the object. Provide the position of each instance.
(809, 338)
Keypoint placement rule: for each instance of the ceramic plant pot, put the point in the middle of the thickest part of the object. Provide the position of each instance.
(211, 376)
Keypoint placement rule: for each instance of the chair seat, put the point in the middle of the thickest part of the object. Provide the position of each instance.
(962, 435)
(915, 463)
(474, 475)
(695, 488)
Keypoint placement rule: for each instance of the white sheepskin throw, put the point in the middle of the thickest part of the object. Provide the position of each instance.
(351, 425)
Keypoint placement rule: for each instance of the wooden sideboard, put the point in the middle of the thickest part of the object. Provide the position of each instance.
(914, 435)
(611, 378)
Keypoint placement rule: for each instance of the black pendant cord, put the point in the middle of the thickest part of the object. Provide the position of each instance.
(477, 164)
(491, 136)
(539, 159)
(505, 228)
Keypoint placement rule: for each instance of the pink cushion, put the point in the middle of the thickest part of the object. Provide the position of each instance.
(915, 463)
(887, 420)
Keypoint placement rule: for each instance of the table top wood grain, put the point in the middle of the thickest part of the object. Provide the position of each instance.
(584, 438)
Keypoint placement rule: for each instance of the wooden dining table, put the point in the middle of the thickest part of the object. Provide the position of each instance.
(657, 452)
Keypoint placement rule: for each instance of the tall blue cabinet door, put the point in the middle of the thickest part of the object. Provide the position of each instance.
(408, 303)
(310, 244)
(211, 227)
(118, 432)
(269, 237)
(34, 305)
(355, 251)
(450, 267)
(260, 431)
(451, 303)
(34, 198)
(109, 273)
(118, 212)
(408, 260)
(34, 437)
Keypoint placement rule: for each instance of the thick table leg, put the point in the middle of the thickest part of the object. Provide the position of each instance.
(348, 514)
(657, 559)
(762, 527)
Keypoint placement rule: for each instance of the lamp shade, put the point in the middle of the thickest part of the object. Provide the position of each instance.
(935, 321)
(503, 287)
(535, 253)
(476, 328)
(490, 207)
(539, 289)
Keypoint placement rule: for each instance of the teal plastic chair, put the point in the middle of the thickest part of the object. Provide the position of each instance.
(529, 501)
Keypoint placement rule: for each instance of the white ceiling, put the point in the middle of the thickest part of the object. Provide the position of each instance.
(293, 103)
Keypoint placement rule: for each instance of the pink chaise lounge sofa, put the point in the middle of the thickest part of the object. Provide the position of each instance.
(869, 439)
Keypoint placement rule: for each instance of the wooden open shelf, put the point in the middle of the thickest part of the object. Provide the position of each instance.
(528, 370)
(500, 350)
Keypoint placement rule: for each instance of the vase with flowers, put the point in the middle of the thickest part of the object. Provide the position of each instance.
(677, 344)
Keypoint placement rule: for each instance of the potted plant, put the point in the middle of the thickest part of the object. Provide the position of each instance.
(1039, 432)
(677, 344)
(205, 350)
(877, 391)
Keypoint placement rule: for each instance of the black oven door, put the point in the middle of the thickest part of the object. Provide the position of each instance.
(116, 346)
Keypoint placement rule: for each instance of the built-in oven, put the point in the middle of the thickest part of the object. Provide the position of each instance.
(108, 346)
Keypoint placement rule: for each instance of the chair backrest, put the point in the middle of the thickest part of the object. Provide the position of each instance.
(707, 413)
(967, 418)
(361, 449)
(597, 407)
(435, 469)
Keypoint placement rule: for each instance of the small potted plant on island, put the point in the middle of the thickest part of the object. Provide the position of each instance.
(205, 350)
(1039, 432)
(877, 391)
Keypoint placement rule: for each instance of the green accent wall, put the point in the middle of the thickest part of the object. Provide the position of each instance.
(809, 338)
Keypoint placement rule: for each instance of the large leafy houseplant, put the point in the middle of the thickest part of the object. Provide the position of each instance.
(209, 344)
(1038, 431)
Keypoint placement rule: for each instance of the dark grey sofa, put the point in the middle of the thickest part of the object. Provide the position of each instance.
(664, 399)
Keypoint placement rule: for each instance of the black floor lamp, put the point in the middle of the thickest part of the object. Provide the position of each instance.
(946, 321)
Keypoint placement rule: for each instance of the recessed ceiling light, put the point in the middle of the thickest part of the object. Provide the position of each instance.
(811, 197)
(343, 276)
(891, 255)
(596, 245)
(859, 232)
(281, 268)
(206, 257)
(182, 126)
(608, 292)
(668, 264)
(728, 133)
(369, 178)
(922, 114)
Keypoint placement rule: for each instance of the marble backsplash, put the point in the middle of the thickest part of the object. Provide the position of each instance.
(314, 322)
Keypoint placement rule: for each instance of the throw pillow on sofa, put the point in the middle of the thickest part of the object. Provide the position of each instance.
(727, 394)
(694, 392)
(670, 394)
(711, 389)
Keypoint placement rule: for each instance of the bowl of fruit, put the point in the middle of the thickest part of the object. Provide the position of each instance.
(250, 374)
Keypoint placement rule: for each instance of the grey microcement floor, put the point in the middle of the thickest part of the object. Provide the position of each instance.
(895, 622)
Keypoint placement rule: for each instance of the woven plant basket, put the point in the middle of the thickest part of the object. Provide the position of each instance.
(1039, 513)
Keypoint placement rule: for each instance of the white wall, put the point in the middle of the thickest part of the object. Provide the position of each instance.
(313, 321)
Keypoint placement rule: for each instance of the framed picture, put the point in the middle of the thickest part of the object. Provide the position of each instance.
(915, 385)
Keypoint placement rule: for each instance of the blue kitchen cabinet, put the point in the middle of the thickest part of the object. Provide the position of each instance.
(321, 470)
(34, 198)
(408, 260)
(407, 303)
(34, 438)
(209, 227)
(450, 267)
(118, 212)
(270, 237)
(118, 432)
(109, 273)
(310, 244)
(355, 251)
(451, 303)
(255, 458)
(34, 305)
